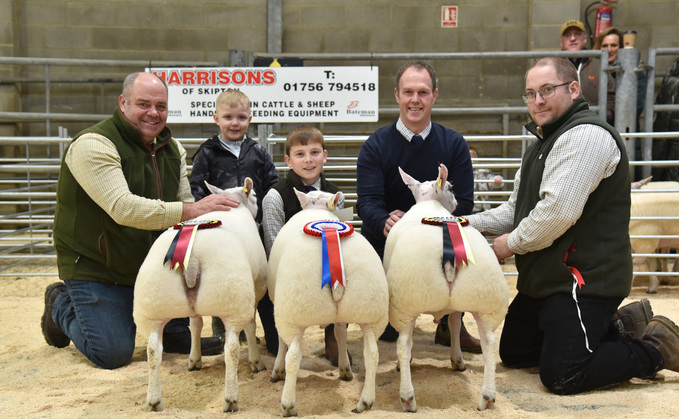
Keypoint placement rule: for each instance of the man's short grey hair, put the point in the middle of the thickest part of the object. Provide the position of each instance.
(129, 81)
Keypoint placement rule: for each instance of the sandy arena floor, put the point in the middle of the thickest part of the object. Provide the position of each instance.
(38, 380)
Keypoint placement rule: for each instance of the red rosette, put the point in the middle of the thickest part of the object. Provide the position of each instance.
(315, 228)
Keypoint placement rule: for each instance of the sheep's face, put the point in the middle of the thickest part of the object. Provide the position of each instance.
(318, 200)
(245, 194)
(433, 190)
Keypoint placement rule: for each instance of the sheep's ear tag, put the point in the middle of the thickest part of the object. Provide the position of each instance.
(330, 232)
(331, 203)
(245, 189)
(456, 248)
(180, 248)
(439, 181)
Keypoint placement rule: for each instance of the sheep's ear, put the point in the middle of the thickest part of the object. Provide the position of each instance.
(303, 198)
(407, 179)
(336, 199)
(214, 189)
(443, 176)
(639, 183)
(247, 186)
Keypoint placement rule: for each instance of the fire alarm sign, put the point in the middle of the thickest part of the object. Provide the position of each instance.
(449, 16)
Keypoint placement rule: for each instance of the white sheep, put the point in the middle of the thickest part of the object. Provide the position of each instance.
(418, 283)
(225, 277)
(294, 280)
(654, 204)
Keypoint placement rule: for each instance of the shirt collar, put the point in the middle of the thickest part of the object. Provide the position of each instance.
(316, 184)
(232, 146)
(408, 134)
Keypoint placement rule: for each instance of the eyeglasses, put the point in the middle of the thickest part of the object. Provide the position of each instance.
(545, 92)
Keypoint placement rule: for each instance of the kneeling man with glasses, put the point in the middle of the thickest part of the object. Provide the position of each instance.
(566, 222)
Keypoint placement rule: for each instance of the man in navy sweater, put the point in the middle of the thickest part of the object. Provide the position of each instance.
(417, 145)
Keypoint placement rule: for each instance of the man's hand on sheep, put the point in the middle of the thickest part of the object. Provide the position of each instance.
(394, 216)
(501, 248)
(212, 202)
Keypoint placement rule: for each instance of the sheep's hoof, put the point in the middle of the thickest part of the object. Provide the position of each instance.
(277, 376)
(362, 406)
(409, 404)
(289, 410)
(487, 401)
(458, 364)
(156, 406)
(230, 406)
(195, 365)
(257, 366)
(346, 374)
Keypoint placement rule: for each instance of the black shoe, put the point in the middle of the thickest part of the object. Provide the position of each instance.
(54, 336)
(180, 343)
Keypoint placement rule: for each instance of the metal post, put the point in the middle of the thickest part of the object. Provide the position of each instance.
(274, 26)
(264, 131)
(505, 144)
(47, 98)
(603, 83)
(648, 111)
(626, 96)
(237, 58)
(274, 36)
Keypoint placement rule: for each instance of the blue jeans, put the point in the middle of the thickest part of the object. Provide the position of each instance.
(97, 317)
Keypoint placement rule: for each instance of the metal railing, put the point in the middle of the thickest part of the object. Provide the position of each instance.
(25, 236)
(31, 184)
(48, 63)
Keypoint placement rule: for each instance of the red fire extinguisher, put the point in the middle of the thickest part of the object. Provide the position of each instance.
(604, 16)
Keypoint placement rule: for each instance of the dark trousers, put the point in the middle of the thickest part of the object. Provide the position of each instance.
(548, 333)
(265, 309)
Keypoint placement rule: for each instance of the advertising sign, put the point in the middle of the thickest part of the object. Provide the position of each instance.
(277, 94)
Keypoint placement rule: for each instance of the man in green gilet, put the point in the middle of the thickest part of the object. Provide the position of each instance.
(121, 183)
(567, 222)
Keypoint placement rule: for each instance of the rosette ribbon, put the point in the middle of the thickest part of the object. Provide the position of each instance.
(180, 248)
(331, 251)
(456, 249)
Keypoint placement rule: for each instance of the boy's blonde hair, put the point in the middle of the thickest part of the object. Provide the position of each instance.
(232, 97)
(303, 135)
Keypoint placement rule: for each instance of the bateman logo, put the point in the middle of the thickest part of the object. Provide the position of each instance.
(353, 104)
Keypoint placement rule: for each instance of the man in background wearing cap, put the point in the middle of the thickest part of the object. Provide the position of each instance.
(574, 38)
